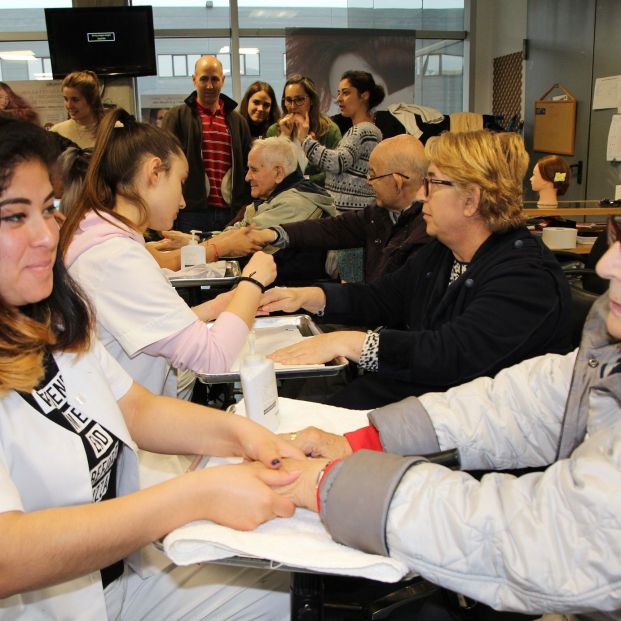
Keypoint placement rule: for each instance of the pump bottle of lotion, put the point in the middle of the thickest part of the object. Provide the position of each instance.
(258, 381)
(193, 253)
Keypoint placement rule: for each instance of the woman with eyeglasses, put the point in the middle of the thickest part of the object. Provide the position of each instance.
(259, 107)
(301, 101)
(483, 295)
(544, 541)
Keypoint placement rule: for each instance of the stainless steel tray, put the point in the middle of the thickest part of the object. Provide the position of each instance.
(306, 327)
(230, 277)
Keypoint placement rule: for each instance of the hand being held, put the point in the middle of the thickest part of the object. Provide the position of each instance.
(173, 240)
(287, 299)
(302, 491)
(315, 442)
(241, 496)
(238, 242)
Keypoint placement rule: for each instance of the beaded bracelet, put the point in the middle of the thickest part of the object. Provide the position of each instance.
(254, 281)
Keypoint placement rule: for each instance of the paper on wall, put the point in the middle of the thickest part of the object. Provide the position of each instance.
(606, 92)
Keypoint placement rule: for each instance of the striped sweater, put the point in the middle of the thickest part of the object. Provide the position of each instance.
(346, 166)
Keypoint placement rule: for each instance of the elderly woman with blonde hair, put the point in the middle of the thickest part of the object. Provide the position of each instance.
(483, 295)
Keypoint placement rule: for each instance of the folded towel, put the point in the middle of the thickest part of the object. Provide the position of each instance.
(202, 270)
(300, 541)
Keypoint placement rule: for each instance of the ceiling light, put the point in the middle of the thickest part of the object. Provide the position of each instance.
(18, 55)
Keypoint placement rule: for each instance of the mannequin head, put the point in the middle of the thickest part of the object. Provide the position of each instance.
(550, 178)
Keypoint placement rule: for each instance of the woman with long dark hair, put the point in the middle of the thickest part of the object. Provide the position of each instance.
(71, 419)
(134, 182)
(260, 108)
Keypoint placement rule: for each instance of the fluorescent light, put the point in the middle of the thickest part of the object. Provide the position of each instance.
(18, 55)
(242, 50)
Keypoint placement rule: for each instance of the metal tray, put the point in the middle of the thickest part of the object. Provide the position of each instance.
(307, 327)
(230, 277)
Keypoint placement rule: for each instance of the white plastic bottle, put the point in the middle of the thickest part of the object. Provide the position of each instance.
(193, 253)
(258, 381)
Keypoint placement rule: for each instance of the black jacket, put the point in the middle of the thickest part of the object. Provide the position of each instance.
(512, 303)
(386, 245)
(184, 121)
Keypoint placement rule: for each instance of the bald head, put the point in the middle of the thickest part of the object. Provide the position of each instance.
(208, 80)
(404, 156)
(207, 61)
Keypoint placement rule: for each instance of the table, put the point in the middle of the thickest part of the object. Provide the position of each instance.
(572, 211)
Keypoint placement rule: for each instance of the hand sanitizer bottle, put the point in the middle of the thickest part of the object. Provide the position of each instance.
(193, 253)
(258, 381)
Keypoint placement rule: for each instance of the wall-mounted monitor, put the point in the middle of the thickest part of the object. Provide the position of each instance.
(110, 41)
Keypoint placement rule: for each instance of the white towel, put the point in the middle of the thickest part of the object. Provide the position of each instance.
(216, 269)
(299, 541)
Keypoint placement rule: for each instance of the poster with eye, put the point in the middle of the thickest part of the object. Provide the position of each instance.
(153, 108)
(324, 55)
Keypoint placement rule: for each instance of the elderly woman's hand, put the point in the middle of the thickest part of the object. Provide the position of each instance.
(316, 442)
(303, 491)
(322, 348)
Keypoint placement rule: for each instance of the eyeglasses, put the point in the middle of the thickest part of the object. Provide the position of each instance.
(613, 229)
(429, 181)
(295, 101)
(369, 178)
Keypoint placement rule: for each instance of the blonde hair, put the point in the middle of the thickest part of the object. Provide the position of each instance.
(517, 157)
(87, 84)
(477, 158)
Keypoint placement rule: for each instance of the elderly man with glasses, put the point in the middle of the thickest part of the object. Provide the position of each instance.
(390, 231)
(483, 295)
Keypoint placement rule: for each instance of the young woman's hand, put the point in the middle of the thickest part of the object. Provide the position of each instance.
(302, 125)
(286, 125)
(241, 496)
(261, 267)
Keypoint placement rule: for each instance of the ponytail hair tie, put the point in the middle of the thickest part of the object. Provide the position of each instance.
(128, 120)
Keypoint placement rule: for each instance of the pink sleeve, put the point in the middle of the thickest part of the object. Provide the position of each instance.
(201, 348)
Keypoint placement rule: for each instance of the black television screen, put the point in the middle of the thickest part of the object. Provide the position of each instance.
(107, 40)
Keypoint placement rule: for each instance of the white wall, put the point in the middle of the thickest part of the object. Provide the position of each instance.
(499, 28)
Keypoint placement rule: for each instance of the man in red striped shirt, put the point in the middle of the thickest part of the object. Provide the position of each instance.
(216, 140)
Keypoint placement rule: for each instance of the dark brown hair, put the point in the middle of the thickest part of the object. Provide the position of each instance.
(118, 153)
(551, 168)
(61, 322)
(274, 113)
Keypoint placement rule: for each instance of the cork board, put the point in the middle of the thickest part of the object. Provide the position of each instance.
(555, 124)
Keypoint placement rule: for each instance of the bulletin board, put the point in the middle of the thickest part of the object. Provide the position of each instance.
(555, 123)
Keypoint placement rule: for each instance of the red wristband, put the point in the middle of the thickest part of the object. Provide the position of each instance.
(321, 476)
(364, 438)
